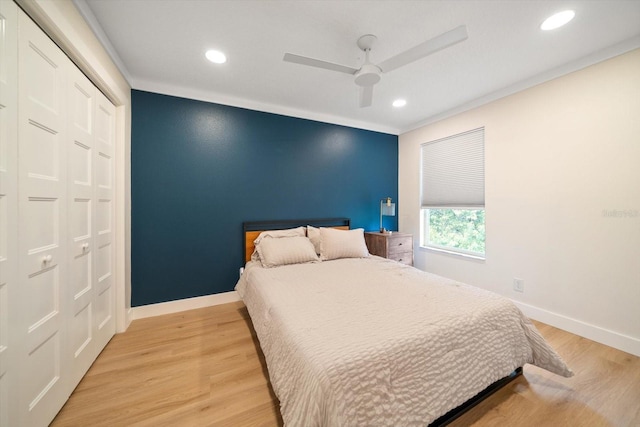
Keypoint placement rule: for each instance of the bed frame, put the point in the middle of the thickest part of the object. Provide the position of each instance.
(457, 412)
(252, 229)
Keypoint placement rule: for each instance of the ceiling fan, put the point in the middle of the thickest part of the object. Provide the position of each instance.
(369, 74)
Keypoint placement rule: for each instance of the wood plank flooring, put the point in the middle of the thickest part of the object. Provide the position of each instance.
(204, 368)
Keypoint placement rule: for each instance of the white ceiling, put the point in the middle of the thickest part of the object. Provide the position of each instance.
(160, 44)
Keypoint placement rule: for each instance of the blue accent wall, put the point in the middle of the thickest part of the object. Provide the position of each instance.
(199, 170)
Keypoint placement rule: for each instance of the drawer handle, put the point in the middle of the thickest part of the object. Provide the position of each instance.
(46, 259)
(399, 244)
(85, 246)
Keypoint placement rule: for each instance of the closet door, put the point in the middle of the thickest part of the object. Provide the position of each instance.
(81, 217)
(8, 210)
(42, 224)
(104, 256)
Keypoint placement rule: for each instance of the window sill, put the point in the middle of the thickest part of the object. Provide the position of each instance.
(465, 255)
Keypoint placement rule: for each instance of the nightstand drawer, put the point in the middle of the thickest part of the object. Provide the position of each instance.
(399, 244)
(403, 257)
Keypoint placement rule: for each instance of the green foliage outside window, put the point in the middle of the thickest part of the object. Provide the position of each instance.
(456, 228)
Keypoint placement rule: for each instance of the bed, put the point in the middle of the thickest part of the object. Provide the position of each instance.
(356, 340)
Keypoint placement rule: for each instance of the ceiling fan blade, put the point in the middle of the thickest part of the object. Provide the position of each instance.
(304, 60)
(366, 96)
(433, 45)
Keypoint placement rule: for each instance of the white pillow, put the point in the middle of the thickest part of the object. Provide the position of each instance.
(275, 251)
(290, 232)
(336, 244)
(313, 234)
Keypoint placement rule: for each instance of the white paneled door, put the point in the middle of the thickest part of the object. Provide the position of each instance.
(81, 214)
(104, 229)
(42, 223)
(90, 217)
(57, 291)
(8, 207)
(66, 297)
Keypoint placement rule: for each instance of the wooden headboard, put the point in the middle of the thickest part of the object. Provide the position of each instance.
(252, 229)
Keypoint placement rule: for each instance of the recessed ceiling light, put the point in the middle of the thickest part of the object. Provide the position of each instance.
(557, 20)
(216, 56)
(399, 103)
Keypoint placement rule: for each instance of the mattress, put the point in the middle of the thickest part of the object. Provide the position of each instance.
(368, 341)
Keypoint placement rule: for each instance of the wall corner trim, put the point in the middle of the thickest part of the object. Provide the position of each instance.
(159, 309)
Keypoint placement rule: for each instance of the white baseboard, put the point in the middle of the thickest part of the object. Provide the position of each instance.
(586, 330)
(159, 309)
(604, 336)
(129, 317)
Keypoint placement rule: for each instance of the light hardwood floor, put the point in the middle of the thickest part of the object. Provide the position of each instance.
(204, 368)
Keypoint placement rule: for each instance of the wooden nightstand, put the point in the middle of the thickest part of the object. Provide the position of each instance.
(395, 246)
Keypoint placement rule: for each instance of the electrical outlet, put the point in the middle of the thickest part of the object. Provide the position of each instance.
(518, 285)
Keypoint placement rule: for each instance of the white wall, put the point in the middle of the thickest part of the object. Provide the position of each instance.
(557, 156)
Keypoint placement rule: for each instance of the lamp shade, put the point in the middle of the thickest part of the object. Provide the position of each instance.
(389, 209)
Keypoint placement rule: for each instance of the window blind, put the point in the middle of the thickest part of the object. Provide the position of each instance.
(453, 171)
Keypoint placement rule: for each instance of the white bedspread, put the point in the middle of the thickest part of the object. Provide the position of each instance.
(371, 342)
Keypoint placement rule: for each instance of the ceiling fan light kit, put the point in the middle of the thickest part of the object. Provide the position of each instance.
(369, 74)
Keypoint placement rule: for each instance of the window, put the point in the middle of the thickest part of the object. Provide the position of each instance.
(453, 193)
